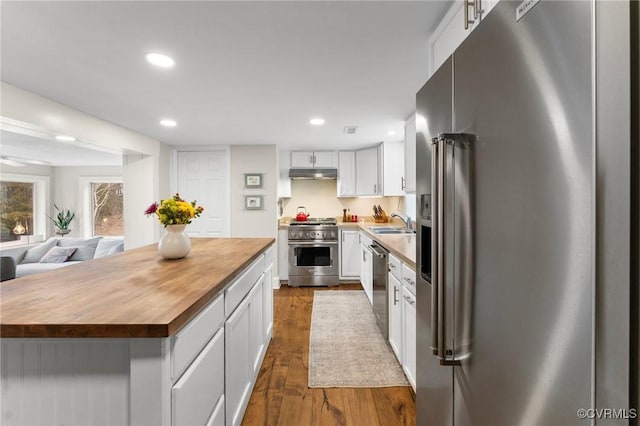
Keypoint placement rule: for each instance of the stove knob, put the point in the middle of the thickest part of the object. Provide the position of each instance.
(333, 234)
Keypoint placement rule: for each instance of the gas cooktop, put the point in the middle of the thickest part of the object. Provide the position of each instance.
(315, 221)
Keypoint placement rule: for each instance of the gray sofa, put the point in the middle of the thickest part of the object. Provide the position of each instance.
(58, 252)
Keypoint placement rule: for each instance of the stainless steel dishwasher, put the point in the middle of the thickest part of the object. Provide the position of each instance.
(380, 295)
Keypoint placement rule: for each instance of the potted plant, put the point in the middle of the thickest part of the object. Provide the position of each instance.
(62, 221)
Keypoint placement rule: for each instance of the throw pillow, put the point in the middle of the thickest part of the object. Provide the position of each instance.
(85, 248)
(104, 247)
(58, 255)
(117, 248)
(34, 254)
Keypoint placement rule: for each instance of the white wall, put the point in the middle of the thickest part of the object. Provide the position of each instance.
(142, 173)
(254, 159)
(66, 192)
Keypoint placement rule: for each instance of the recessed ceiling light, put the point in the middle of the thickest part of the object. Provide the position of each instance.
(391, 133)
(65, 138)
(160, 60)
(168, 123)
(317, 121)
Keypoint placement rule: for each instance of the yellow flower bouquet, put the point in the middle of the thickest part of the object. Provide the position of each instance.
(174, 211)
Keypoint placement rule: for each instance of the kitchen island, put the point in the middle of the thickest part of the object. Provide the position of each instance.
(135, 339)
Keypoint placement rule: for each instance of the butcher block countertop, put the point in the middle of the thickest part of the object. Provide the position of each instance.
(130, 294)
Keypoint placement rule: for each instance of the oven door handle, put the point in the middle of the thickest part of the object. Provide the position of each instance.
(313, 243)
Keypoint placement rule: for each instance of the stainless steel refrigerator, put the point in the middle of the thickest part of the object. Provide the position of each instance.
(523, 313)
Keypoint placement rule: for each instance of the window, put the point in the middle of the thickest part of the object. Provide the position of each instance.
(24, 205)
(16, 210)
(106, 207)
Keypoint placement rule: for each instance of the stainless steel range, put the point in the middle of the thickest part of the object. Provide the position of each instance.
(313, 252)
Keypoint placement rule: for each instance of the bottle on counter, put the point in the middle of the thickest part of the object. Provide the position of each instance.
(344, 215)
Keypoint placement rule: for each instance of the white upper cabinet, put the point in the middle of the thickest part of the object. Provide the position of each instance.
(314, 159)
(368, 162)
(301, 159)
(346, 174)
(379, 170)
(393, 168)
(325, 159)
(451, 32)
(410, 155)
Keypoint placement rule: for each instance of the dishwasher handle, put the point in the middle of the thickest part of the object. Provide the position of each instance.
(376, 250)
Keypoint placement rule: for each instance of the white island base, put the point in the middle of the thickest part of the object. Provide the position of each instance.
(204, 374)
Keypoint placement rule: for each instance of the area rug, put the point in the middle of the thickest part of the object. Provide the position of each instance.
(346, 348)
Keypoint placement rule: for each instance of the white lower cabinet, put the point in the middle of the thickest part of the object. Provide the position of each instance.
(366, 267)
(217, 417)
(395, 315)
(402, 315)
(267, 301)
(244, 351)
(409, 338)
(283, 255)
(201, 386)
(349, 254)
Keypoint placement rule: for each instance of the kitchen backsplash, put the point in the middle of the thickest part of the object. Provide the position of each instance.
(320, 199)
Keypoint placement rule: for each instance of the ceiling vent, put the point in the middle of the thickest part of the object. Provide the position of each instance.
(350, 130)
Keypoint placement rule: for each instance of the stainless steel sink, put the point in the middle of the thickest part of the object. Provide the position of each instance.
(390, 230)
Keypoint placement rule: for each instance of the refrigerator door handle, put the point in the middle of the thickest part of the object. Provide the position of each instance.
(435, 219)
(444, 147)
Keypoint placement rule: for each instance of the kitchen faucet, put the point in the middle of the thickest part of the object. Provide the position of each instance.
(405, 218)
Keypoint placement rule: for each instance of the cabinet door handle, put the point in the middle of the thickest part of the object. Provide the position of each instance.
(395, 294)
(403, 184)
(375, 188)
(409, 300)
(467, 19)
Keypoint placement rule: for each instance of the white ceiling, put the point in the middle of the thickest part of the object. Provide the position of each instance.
(53, 152)
(246, 72)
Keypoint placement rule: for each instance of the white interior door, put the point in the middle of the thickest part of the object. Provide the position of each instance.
(204, 176)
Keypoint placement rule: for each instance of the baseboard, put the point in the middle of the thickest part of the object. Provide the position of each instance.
(276, 283)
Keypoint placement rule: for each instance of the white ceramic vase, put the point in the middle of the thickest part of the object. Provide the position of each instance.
(174, 244)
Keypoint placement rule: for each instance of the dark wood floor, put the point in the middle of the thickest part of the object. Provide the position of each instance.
(281, 395)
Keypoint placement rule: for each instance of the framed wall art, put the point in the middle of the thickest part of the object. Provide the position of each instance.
(253, 180)
(253, 202)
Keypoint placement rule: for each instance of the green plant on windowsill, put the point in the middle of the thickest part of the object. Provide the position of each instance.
(62, 221)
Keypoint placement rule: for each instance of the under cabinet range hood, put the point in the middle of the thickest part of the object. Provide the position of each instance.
(313, 173)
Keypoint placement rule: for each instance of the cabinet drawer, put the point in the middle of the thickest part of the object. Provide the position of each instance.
(188, 342)
(409, 278)
(395, 267)
(197, 393)
(240, 288)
